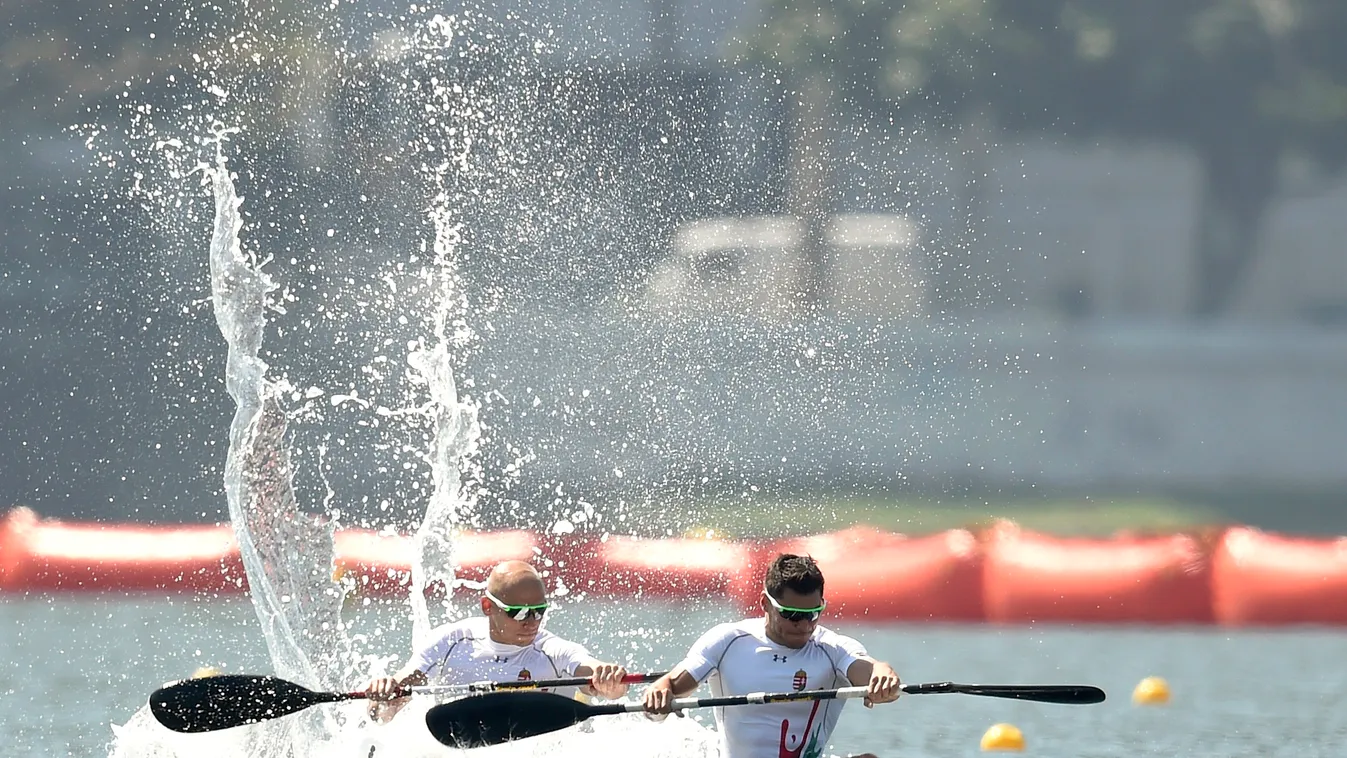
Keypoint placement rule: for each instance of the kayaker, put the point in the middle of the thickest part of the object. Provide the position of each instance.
(505, 643)
(784, 650)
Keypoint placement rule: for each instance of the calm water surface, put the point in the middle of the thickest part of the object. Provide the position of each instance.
(74, 666)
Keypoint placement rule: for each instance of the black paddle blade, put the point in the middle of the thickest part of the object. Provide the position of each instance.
(1064, 694)
(496, 717)
(212, 703)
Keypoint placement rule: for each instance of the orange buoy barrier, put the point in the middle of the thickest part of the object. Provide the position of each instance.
(884, 576)
(13, 546)
(1234, 576)
(1030, 576)
(381, 562)
(45, 555)
(555, 556)
(1260, 578)
(678, 567)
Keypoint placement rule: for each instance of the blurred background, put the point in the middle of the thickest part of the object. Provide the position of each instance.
(752, 265)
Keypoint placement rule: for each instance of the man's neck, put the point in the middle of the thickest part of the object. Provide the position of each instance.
(777, 640)
(496, 637)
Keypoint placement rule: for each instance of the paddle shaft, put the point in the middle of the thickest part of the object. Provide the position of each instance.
(1062, 694)
(1047, 693)
(490, 719)
(523, 684)
(752, 698)
(210, 703)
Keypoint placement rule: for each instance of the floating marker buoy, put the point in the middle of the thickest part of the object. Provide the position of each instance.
(1003, 737)
(1151, 691)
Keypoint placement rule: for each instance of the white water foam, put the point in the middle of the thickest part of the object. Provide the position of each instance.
(288, 552)
(288, 557)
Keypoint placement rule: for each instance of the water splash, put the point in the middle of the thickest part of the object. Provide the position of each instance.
(456, 430)
(288, 552)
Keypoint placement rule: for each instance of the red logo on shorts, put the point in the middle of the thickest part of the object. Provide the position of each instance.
(800, 680)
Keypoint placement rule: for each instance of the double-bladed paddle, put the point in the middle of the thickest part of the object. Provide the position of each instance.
(491, 719)
(211, 703)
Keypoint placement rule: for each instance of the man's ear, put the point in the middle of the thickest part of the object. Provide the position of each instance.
(485, 606)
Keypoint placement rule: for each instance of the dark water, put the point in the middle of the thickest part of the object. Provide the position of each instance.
(74, 666)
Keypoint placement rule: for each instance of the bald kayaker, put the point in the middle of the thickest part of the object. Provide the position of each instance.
(505, 643)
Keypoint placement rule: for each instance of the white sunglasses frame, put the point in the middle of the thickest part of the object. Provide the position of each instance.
(783, 609)
(523, 613)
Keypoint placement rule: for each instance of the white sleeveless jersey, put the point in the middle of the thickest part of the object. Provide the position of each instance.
(463, 653)
(739, 659)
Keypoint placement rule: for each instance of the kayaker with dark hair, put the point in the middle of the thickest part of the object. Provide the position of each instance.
(785, 649)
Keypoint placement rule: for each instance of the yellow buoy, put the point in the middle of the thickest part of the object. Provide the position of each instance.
(205, 671)
(1003, 737)
(1151, 691)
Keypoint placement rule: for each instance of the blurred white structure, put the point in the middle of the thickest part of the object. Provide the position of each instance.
(753, 267)
(876, 268)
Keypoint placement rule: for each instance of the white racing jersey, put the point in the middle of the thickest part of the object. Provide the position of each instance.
(739, 659)
(463, 653)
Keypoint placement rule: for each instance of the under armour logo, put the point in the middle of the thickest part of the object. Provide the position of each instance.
(778, 658)
(500, 659)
